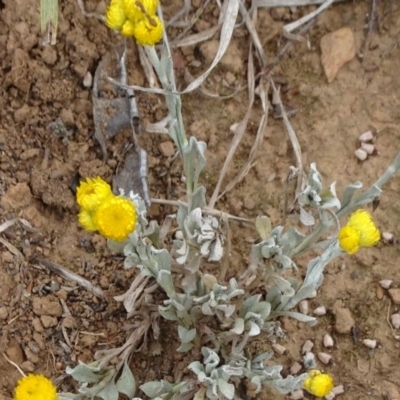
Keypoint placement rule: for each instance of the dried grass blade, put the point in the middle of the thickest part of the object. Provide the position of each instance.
(289, 3)
(49, 21)
(240, 130)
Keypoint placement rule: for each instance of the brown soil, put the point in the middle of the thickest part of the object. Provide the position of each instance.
(40, 84)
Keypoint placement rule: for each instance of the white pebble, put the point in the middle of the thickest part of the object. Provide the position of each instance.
(297, 395)
(328, 341)
(338, 390)
(313, 294)
(361, 154)
(368, 147)
(295, 368)
(324, 358)
(395, 319)
(233, 127)
(320, 311)
(307, 346)
(88, 80)
(385, 283)
(309, 361)
(388, 237)
(370, 343)
(330, 396)
(303, 306)
(366, 136)
(279, 349)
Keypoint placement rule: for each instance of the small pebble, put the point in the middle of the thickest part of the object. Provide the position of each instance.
(388, 237)
(320, 311)
(366, 136)
(303, 306)
(88, 80)
(370, 343)
(307, 346)
(325, 358)
(395, 320)
(295, 368)
(309, 361)
(279, 349)
(368, 147)
(297, 395)
(313, 294)
(328, 341)
(361, 154)
(386, 283)
(338, 390)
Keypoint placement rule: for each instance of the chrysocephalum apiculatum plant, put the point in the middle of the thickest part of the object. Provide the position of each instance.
(226, 354)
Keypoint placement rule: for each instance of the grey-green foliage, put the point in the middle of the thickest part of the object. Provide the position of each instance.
(99, 381)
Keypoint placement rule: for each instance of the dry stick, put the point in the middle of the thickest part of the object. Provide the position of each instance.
(71, 276)
(371, 23)
(289, 3)
(206, 210)
(292, 137)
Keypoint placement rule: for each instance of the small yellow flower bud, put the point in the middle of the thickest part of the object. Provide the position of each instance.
(148, 31)
(318, 384)
(92, 192)
(115, 16)
(360, 231)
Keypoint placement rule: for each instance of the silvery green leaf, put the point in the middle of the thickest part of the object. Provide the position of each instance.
(304, 292)
(329, 198)
(227, 309)
(126, 383)
(285, 262)
(194, 161)
(116, 247)
(262, 357)
(186, 335)
(85, 372)
(131, 261)
(349, 191)
(227, 389)
(254, 328)
(164, 279)
(217, 251)
(288, 384)
(314, 178)
(306, 218)
(232, 371)
(248, 304)
(109, 392)
(155, 388)
(198, 199)
(264, 227)
(238, 328)
(291, 239)
(162, 258)
(262, 308)
(206, 309)
(185, 347)
(196, 367)
(299, 316)
(168, 313)
(183, 212)
(205, 248)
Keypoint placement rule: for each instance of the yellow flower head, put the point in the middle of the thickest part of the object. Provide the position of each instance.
(92, 193)
(115, 16)
(85, 218)
(318, 384)
(116, 218)
(138, 9)
(148, 31)
(35, 387)
(136, 18)
(360, 231)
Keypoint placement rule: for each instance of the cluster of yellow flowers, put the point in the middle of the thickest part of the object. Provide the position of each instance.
(113, 216)
(136, 18)
(35, 387)
(318, 384)
(360, 231)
